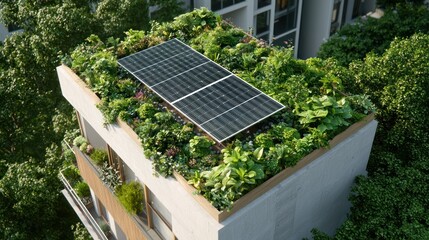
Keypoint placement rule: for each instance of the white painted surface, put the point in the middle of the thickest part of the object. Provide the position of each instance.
(315, 196)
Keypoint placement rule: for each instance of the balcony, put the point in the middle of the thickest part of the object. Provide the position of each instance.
(133, 226)
(85, 211)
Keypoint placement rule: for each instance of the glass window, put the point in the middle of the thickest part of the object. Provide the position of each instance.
(285, 23)
(285, 41)
(286, 15)
(282, 5)
(161, 218)
(335, 16)
(335, 12)
(219, 4)
(262, 22)
(356, 9)
(216, 5)
(263, 3)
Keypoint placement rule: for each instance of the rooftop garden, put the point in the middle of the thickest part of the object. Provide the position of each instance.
(318, 107)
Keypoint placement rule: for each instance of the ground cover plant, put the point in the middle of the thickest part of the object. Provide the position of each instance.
(317, 105)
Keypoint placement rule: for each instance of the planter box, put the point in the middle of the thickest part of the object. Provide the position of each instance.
(312, 194)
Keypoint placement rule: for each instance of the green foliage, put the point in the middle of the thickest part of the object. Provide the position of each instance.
(200, 146)
(325, 113)
(232, 179)
(30, 97)
(110, 176)
(147, 110)
(308, 86)
(391, 203)
(82, 189)
(166, 9)
(131, 196)
(187, 26)
(354, 41)
(72, 174)
(31, 190)
(398, 84)
(80, 232)
(82, 144)
(99, 156)
(114, 16)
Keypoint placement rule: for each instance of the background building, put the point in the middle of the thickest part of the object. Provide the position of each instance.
(305, 24)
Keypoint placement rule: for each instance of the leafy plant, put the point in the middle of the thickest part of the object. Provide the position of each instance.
(82, 144)
(110, 176)
(99, 156)
(131, 196)
(325, 113)
(80, 232)
(71, 173)
(232, 179)
(200, 146)
(82, 189)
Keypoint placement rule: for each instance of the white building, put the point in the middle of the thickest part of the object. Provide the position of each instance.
(305, 24)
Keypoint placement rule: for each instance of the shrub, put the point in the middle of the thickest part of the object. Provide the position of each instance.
(99, 156)
(131, 196)
(354, 41)
(82, 189)
(71, 173)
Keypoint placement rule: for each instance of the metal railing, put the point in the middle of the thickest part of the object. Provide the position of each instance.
(81, 205)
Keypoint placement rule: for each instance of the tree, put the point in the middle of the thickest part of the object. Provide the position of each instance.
(31, 206)
(115, 17)
(391, 203)
(167, 9)
(354, 41)
(30, 200)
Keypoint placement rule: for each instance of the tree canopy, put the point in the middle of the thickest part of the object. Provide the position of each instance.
(391, 203)
(354, 41)
(32, 207)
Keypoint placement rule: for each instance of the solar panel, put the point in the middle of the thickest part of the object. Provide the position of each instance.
(210, 96)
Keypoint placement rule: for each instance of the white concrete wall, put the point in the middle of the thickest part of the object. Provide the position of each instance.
(189, 220)
(315, 196)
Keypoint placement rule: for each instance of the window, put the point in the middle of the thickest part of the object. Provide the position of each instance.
(282, 5)
(286, 41)
(116, 162)
(286, 15)
(356, 9)
(335, 16)
(262, 22)
(160, 217)
(219, 4)
(263, 3)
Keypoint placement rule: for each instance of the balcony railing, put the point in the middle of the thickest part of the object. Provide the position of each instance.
(81, 210)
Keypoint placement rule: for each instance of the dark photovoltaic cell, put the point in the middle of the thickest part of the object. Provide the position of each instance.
(217, 101)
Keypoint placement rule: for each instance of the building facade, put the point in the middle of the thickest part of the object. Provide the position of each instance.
(304, 24)
(313, 194)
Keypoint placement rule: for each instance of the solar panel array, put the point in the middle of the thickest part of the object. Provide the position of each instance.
(210, 96)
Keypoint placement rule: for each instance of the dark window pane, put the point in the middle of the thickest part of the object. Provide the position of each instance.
(262, 22)
(356, 9)
(263, 3)
(227, 3)
(282, 5)
(216, 5)
(285, 41)
(285, 23)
